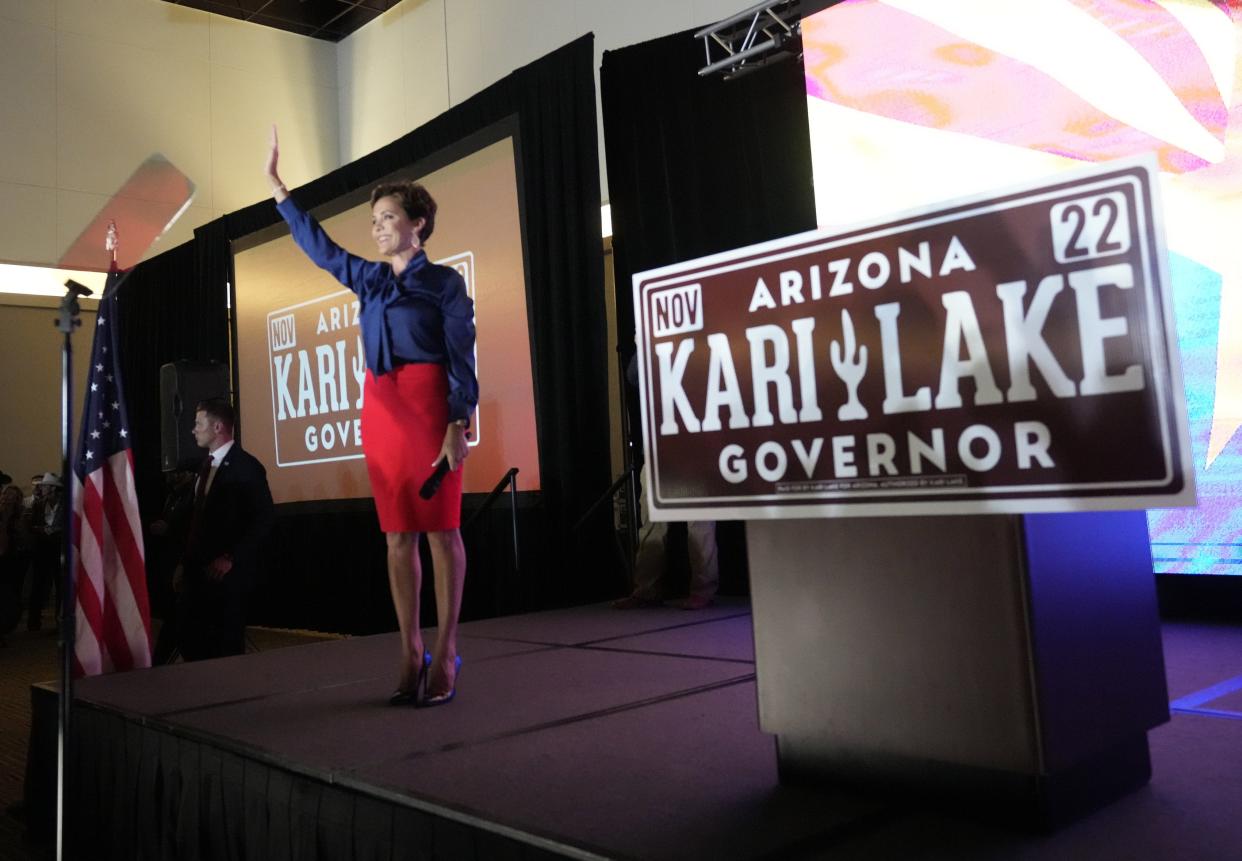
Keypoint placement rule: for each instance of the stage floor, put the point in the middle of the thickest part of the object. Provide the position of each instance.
(592, 732)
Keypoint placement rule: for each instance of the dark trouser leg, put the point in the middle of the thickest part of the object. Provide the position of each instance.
(43, 570)
(172, 633)
(215, 625)
(12, 573)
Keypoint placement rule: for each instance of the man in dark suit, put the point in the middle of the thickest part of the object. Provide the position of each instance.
(222, 562)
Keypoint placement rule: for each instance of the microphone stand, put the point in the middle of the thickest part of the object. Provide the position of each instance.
(67, 320)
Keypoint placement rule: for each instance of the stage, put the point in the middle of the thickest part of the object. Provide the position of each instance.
(582, 733)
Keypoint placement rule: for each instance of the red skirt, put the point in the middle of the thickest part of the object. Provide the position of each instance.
(404, 416)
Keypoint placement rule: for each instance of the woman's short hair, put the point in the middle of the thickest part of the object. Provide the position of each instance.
(415, 200)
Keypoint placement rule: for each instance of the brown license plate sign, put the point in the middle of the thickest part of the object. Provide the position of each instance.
(1000, 354)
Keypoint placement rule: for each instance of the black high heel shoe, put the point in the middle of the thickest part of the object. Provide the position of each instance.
(445, 699)
(407, 698)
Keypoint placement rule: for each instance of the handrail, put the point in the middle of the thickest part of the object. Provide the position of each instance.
(604, 497)
(510, 479)
(627, 482)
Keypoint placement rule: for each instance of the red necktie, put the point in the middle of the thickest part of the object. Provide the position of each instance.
(204, 473)
(200, 497)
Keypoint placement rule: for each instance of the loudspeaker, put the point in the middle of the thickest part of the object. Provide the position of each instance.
(182, 385)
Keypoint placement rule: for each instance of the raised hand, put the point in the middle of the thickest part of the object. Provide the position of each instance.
(269, 169)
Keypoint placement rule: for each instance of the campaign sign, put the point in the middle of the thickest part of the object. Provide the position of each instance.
(999, 354)
(317, 368)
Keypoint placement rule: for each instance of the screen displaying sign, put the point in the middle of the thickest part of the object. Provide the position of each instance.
(300, 363)
(996, 354)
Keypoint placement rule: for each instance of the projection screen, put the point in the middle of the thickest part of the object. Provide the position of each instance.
(965, 97)
(299, 364)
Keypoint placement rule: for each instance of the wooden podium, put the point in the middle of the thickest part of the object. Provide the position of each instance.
(1010, 665)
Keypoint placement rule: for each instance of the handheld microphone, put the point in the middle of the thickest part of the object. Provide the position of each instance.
(432, 484)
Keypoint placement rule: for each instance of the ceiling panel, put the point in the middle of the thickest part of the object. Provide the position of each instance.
(331, 20)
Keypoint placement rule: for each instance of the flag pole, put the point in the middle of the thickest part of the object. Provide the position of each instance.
(67, 320)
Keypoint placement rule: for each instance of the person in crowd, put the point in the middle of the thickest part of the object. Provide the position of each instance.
(12, 558)
(650, 566)
(45, 519)
(5, 479)
(28, 532)
(231, 517)
(650, 563)
(418, 334)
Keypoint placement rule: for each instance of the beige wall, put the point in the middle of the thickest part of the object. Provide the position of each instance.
(91, 88)
(30, 379)
(88, 90)
(424, 56)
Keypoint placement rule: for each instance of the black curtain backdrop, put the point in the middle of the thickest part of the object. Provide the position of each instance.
(170, 309)
(327, 569)
(697, 166)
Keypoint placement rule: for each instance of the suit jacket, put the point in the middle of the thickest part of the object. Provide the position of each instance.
(234, 520)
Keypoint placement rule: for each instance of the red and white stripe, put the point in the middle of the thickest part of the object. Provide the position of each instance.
(113, 630)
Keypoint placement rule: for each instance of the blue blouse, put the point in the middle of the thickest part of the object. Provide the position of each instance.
(421, 315)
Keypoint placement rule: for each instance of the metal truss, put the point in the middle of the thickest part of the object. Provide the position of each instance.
(753, 38)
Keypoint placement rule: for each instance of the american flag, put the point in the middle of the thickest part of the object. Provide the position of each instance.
(113, 630)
